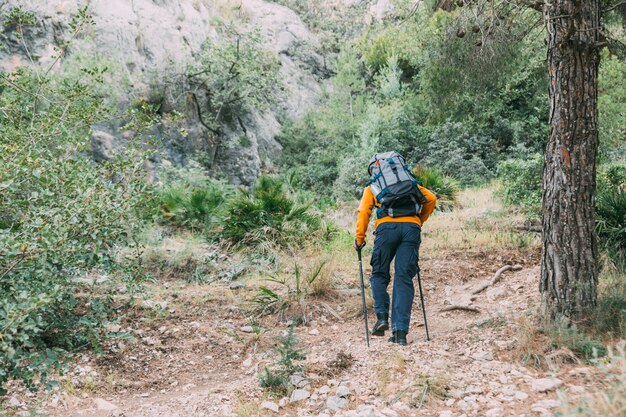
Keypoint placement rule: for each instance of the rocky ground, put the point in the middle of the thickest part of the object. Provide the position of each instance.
(198, 350)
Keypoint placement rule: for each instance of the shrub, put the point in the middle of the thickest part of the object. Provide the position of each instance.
(458, 152)
(276, 380)
(352, 177)
(445, 188)
(522, 182)
(267, 215)
(611, 210)
(62, 215)
(190, 198)
(233, 76)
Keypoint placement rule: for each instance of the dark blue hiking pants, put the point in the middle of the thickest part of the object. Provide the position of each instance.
(402, 241)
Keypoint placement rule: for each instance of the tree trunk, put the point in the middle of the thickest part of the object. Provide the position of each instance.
(569, 270)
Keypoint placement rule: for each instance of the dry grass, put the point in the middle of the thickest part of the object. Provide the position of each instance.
(480, 222)
(531, 343)
(390, 372)
(608, 402)
(428, 387)
(245, 408)
(225, 10)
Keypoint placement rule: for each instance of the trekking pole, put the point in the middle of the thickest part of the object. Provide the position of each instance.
(419, 284)
(367, 334)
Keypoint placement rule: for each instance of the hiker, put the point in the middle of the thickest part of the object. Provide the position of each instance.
(402, 207)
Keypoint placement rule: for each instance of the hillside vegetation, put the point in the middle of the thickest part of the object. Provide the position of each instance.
(154, 282)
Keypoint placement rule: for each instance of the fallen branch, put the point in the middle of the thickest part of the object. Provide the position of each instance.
(528, 228)
(332, 311)
(496, 277)
(458, 307)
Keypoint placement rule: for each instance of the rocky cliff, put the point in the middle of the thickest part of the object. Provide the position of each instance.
(146, 39)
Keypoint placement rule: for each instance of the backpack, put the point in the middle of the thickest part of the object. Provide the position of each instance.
(394, 186)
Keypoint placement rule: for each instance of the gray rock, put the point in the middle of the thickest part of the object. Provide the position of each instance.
(298, 380)
(335, 403)
(493, 412)
(364, 410)
(103, 405)
(389, 412)
(268, 405)
(324, 389)
(545, 404)
(342, 391)
(299, 395)
(247, 329)
(154, 305)
(130, 35)
(546, 384)
(102, 145)
(13, 402)
(482, 356)
(236, 285)
(520, 395)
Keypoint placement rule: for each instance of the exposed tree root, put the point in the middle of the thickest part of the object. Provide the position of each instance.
(496, 277)
(458, 307)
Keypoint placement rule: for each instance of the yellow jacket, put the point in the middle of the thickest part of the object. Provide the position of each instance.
(368, 202)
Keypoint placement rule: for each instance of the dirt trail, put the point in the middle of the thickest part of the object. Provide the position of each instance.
(469, 355)
(200, 355)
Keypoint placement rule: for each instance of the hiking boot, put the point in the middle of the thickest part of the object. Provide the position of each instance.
(399, 337)
(381, 324)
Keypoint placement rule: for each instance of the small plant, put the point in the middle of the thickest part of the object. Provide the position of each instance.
(190, 198)
(445, 188)
(297, 287)
(609, 317)
(276, 380)
(611, 211)
(268, 216)
(342, 362)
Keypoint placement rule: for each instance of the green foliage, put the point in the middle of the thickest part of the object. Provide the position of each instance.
(233, 77)
(609, 317)
(276, 380)
(522, 184)
(434, 97)
(190, 198)
(611, 105)
(62, 217)
(458, 152)
(611, 210)
(522, 181)
(445, 188)
(298, 288)
(267, 215)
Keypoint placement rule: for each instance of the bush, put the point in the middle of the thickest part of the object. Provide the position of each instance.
(445, 188)
(62, 215)
(458, 152)
(190, 198)
(266, 215)
(522, 182)
(611, 210)
(233, 76)
(352, 177)
(276, 380)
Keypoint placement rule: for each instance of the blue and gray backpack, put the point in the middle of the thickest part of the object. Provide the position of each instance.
(394, 186)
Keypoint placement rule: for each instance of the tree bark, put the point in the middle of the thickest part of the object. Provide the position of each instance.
(569, 270)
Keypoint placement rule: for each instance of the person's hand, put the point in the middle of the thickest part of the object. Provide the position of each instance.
(358, 247)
